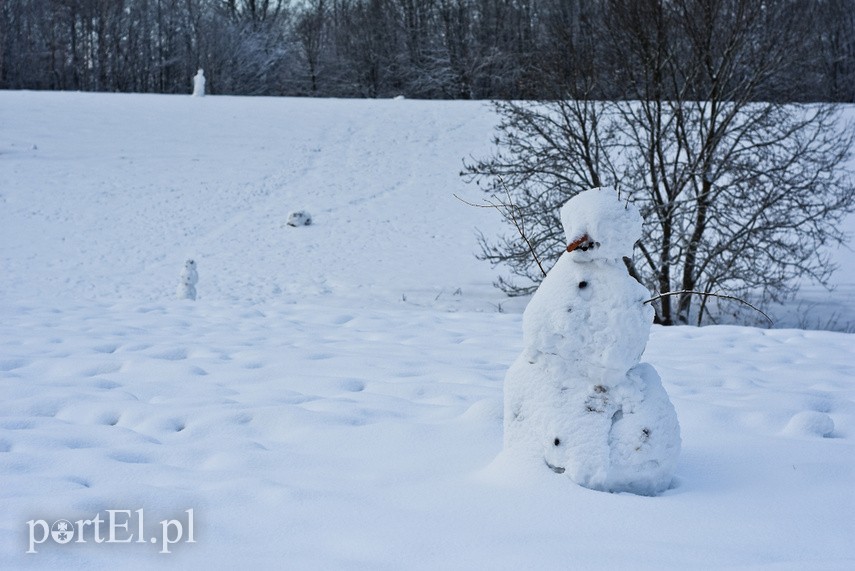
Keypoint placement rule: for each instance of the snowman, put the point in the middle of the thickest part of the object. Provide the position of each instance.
(577, 399)
(299, 218)
(187, 284)
(199, 84)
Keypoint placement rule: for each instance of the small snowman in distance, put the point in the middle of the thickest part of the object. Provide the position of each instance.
(299, 218)
(577, 399)
(189, 279)
(199, 84)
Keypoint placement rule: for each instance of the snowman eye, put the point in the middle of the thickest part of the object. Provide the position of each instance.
(557, 442)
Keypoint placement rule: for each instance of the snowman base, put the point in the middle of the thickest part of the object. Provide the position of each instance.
(613, 437)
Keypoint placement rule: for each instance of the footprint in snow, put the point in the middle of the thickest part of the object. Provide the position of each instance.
(175, 354)
(11, 364)
(82, 482)
(175, 424)
(109, 419)
(353, 385)
(109, 348)
(78, 443)
(129, 457)
(102, 369)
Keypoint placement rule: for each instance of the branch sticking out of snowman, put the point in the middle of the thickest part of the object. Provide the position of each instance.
(584, 243)
(708, 294)
(512, 212)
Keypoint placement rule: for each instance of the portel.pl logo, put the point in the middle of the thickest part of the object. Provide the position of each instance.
(116, 526)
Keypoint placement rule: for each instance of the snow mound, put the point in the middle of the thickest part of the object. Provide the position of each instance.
(810, 423)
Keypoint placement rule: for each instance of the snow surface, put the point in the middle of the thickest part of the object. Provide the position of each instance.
(333, 398)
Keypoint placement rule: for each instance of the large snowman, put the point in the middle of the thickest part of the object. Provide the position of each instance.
(577, 399)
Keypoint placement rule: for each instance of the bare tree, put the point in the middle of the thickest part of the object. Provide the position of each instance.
(740, 194)
(835, 21)
(309, 30)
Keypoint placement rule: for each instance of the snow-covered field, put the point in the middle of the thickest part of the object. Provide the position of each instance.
(333, 398)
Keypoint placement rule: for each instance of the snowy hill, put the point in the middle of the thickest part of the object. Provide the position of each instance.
(333, 397)
(121, 189)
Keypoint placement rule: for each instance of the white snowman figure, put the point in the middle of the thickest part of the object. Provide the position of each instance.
(577, 399)
(199, 84)
(189, 279)
(299, 218)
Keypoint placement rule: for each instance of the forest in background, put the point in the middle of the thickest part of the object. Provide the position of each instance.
(437, 49)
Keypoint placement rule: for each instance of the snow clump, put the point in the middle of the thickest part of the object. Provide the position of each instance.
(810, 423)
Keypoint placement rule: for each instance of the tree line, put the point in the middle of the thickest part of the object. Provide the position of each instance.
(448, 49)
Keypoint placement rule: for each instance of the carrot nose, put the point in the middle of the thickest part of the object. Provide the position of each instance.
(583, 241)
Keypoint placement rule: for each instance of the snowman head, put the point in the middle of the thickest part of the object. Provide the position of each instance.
(599, 226)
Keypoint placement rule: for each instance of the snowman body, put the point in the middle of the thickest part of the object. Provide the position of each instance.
(577, 398)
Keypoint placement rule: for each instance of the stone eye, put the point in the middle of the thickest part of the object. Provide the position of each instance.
(557, 441)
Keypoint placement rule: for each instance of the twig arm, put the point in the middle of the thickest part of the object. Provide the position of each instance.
(705, 294)
(510, 212)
